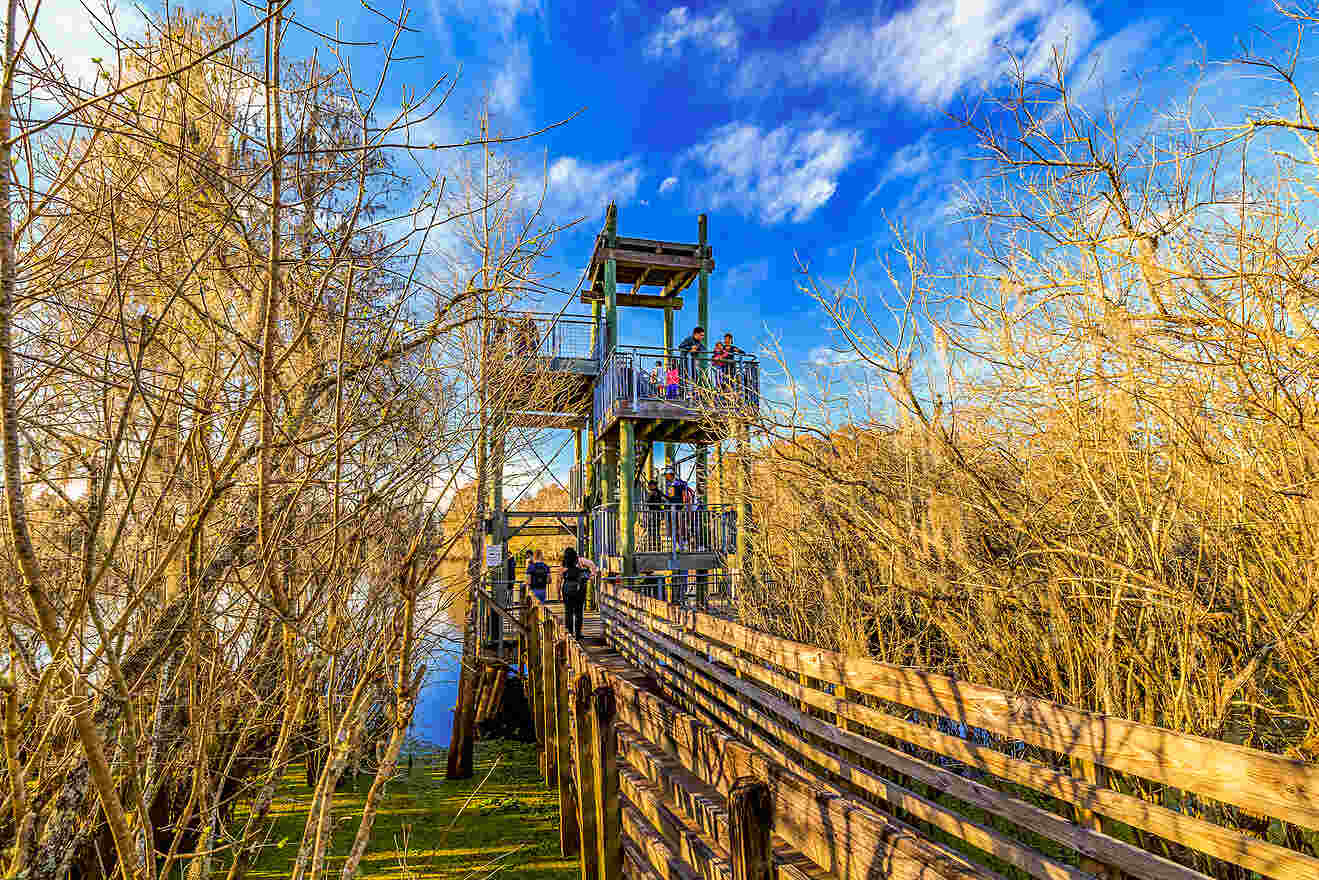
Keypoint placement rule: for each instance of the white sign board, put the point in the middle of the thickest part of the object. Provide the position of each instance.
(494, 555)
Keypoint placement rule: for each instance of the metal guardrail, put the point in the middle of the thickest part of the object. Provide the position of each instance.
(678, 528)
(633, 374)
(714, 592)
(540, 335)
(604, 532)
(669, 529)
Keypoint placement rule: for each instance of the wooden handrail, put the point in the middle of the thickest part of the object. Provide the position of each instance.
(751, 670)
(503, 612)
(842, 746)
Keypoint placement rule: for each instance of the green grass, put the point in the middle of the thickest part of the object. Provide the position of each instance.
(509, 823)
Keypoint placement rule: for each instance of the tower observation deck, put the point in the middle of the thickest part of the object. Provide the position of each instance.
(639, 413)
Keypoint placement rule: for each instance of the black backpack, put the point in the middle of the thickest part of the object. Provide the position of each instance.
(574, 583)
(540, 575)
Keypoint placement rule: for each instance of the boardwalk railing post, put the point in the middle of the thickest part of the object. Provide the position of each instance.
(533, 682)
(583, 736)
(608, 806)
(569, 837)
(545, 704)
(750, 820)
(1088, 771)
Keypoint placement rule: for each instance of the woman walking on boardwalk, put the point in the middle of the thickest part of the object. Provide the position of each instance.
(576, 575)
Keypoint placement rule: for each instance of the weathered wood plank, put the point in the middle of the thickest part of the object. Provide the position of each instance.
(1260, 782)
(682, 842)
(584, 768)
(604, 755)
(696, 802)
(839, 834)
(750, 819)
(755, 705)
(640, 258)
(546, 702)
(638, 300)
(569, 833)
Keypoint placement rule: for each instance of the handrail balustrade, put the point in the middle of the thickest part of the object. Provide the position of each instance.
(633, 374)
(867, 769)
(557, 338)
(669, 529)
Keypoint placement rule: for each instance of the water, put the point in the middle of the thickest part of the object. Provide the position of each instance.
(433, 719)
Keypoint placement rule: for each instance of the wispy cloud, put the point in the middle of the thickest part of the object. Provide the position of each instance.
(743, 279)
(678, 27)
(932, 51)
(512, 78)
(783, 174)
(938, 49)
(668, 184)
(579, 188)
(498, 16)
(913, 159)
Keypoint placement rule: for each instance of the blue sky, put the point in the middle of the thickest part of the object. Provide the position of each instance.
(802, 130)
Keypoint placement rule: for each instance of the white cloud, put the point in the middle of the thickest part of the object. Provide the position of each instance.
(717, 32)
(668, 184)
(786, 173)
(499, 16)
(824, 356)
(581, 188)
(1110, 61)
(914, 159)
(934, 50)
(512, 78)
(73, 33)
(745, 277)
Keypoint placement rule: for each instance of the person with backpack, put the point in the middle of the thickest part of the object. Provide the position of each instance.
(538, 575)
(573, 582)
(680, 496)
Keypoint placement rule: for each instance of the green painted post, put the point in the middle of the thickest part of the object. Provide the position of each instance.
(627, 495)
(703, 298)
(611, 473)
(668, 335)
(595, 325)
(611, 279)
(579, 462)
(743, 487)
(668, 354)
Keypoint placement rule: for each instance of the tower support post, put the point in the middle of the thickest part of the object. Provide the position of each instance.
(611, 279)
(627, 488)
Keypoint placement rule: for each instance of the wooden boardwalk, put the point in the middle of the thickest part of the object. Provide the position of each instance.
(685, 746)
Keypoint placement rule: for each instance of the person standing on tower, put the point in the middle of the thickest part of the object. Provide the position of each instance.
(691, 349)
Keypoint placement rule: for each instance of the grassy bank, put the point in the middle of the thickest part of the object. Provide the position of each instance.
(502, 819)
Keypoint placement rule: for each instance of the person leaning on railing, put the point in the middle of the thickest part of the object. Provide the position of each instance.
(691, 349)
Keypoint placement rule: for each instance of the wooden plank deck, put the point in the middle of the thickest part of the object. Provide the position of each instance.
(599, 650)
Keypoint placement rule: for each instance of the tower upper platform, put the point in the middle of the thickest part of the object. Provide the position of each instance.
(649, 273)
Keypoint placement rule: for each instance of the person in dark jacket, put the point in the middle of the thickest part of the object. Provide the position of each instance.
(538, 575)
(654, 502)
(573, 581)
(691, 349)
